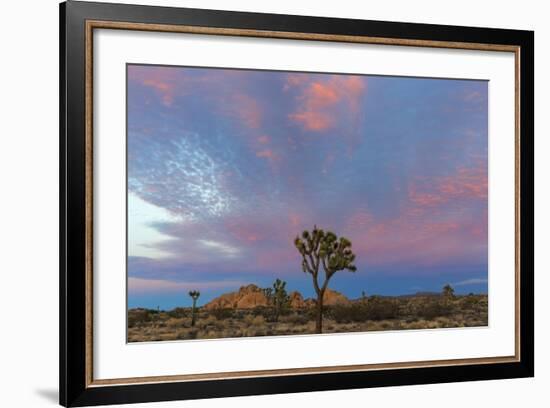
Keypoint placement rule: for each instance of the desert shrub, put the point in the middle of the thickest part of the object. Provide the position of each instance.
(409, 307)
(178, 312)
(254, 331)
(311, 313)
(434, 307)
(252, 320)
(222, 313)
(356, 312)
(192, 334)
(378, 308)
(208, 321)
(266, 312)
(258, 321)
(174, 323)
(296, 318)
(470, 302)
(138, 316)
(270, 313)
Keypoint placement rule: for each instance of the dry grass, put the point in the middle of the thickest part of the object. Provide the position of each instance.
(375, 314)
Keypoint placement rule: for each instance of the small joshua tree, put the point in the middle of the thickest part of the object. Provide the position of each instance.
(448, 291)
(268, 293)
(319, 248)
(280, 297)
(277, 297)
(194, 295)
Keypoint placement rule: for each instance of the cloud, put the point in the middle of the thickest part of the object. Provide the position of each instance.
(178, 172)
(239, 180)
(142, 236)
(140, 286)
(314, 121)
(171, 83)
(165, 81)
(442, 219)
(220, 247)
(293, 80)
(247, 109)
(322, 103)
(268, 154)
(466, 183)
(473, 281)
(360, 219)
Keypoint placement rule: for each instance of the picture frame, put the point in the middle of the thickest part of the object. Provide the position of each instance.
(79, 21)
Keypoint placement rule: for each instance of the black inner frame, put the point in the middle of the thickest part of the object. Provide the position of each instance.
(73, 390)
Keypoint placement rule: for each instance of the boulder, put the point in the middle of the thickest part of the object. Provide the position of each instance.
(333, 297)
(247, 297)
(296, 300)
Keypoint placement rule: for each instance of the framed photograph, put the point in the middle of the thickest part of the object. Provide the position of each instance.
(256, 203)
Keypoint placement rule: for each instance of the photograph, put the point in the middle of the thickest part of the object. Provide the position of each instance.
(256, 203)
(271, 203)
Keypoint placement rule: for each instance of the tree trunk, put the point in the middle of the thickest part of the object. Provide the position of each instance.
(193, 314)
(319, 321)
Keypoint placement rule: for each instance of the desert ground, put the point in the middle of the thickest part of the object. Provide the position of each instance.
(246, 313)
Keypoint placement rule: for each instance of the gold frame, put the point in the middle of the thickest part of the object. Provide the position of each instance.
(99, 24)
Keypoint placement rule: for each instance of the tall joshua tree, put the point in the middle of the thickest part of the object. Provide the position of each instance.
(194, 295)
(319, 248)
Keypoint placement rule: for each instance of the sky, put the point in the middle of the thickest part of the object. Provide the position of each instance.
(227, 166)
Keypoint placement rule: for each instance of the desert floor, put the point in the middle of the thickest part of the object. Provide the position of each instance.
(369, 314)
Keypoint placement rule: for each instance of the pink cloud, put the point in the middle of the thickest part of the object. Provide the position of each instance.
(321, 103)
(293, 80)
(165, 90)
(314, 121)
(430, 227)
(320, 95)
(418, 241)
(244, 231)
(267, 154)
(294, 220)
(264, 139)
(148, 286)
(466, 183)
(164, 81)
(359, 220)
(247, 109)
(469, 182)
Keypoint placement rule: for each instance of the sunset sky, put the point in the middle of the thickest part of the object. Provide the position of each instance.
(225, 167)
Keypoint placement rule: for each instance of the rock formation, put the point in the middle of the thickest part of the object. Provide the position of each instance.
(296, 300)
(333, 297)
(247, 297)
(251, 296)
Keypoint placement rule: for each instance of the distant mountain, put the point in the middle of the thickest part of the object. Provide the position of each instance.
(421, 294)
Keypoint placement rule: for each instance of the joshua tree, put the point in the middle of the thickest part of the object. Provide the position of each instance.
(194, 295)
(448, 291)
(268, 293)
(280, 297)
(277, 297)
(334, 254)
